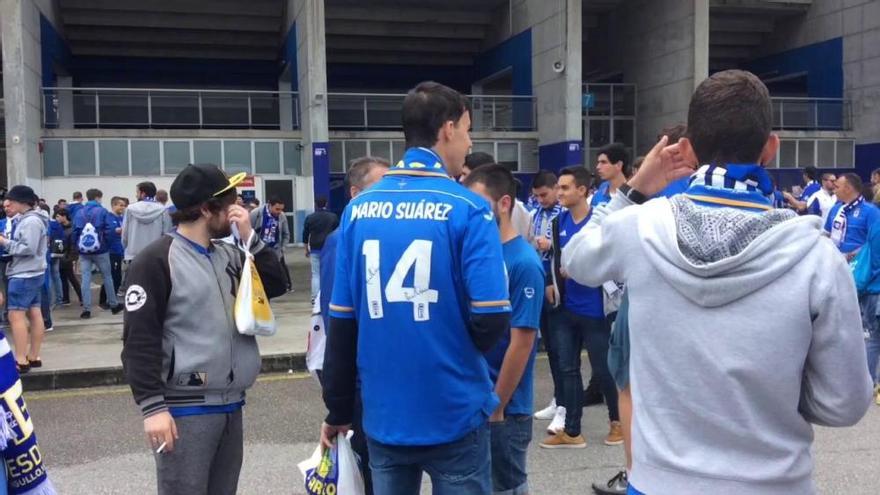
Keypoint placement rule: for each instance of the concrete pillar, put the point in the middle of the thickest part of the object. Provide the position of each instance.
(22, 72)
(285, 104)
(65, 103)
(311, 73)
(701, 41)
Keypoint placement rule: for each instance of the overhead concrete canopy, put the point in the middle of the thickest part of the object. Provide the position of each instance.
(409, 32)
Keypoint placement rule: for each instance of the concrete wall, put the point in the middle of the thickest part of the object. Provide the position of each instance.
(858, 23)
(665, 46)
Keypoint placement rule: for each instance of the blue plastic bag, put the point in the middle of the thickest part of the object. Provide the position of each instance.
(861, 268)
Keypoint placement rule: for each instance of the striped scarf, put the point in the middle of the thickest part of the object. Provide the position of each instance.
(25, 473)
(741, 186)
(838, 225)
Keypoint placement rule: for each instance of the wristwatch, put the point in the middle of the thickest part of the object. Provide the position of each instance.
(631, 194)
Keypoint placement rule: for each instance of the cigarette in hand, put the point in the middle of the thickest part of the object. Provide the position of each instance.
(161, 448)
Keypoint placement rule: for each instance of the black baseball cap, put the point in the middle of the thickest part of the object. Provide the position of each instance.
(22, 194)
(196, 184)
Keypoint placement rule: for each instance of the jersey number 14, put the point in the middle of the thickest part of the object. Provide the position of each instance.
(418, 254)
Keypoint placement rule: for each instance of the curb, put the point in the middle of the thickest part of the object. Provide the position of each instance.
(102, 377)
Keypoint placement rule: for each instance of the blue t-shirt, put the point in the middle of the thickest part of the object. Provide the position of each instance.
(809, 190)
(327, 257)
(115, 239)
(416, 255)
(602, 195)
(73, 209)
(579, 299)
(858, 222)
(526, 282)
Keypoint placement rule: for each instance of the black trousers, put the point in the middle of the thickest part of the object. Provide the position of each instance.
(116, 270)
(68, 278)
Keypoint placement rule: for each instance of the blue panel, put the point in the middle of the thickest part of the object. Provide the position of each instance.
(557, 156)
(867, 159)
(514, 53)
(823, 63)
(396, 78)
(175, 72)
(338, 196)
(321, 170)
(54, 50)
(288, 56)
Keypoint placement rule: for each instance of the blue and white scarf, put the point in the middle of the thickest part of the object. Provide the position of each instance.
(270, 231)
(542, 224)
(746, 186)
(838, 225)
(25, 472)
(422, 159)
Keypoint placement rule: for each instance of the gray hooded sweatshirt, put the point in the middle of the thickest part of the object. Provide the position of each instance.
(745, 331)
(143, 223)
(28, 246)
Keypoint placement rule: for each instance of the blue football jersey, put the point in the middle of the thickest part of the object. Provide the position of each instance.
(417, 254)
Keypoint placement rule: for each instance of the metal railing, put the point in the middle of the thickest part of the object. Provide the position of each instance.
(381, 111)
(103, 108)
(832, 114)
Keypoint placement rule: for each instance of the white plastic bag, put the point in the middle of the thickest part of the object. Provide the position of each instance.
(316, 340)
(253, 316)
(333, 472)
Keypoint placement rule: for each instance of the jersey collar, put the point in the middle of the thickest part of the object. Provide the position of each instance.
(420, 162)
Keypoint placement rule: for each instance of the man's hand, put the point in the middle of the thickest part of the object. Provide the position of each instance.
(497, 416)
(3, 240)
(329, 432)
(239, 216)
(543, 244)
(118, 230)
(664, 164)
(788, 197)
(160, 428)
(550, 295)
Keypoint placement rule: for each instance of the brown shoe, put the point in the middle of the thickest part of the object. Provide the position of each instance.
(561, 440)
(615, 434)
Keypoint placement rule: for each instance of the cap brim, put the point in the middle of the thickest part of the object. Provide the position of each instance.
(234, 181)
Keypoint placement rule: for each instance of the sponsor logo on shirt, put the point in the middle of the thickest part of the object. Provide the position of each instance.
(529, 292)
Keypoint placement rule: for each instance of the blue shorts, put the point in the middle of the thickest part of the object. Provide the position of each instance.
(24, 293)
(618, 349)
(510, 443)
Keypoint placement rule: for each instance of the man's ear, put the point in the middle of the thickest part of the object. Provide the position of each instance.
(768, 154)
(687, 151)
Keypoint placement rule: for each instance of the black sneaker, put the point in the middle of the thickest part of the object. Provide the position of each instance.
(615, 486)
(118, 309)
(104, 306)
(86, 315)
(592, 398)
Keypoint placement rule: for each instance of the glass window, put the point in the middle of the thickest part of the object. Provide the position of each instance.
(601, 99)
(381, 149)
(787, 154)
(176, 156)
(145, 158)
(624, 100)
(600, 133)
(337, 157)
(508, 155)
(113, 155)
(845, 154)
(267, 158)
(354, 150)
(237, 157)
(806, 153)
(292, 158)
(528, 156)
(624, 132)
(483, 147)
(53, 158)
(81, 157)
(825, 154)
(207, 152)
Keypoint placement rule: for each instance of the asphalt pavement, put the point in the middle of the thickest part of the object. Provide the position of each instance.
(92, 443)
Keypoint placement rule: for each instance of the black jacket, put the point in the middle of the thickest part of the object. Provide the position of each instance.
(317, 227)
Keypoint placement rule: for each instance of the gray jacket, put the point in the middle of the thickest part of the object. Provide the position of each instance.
(143, 223)
(180, 343)
(257, 224)
(28, 246)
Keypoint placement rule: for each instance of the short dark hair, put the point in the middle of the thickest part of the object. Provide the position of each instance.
(674, 132)
(117, 199)
(44, 207)
(359, 168)
(616, 152)
(61, 212)
(854, 180)
(77, 195)
(253, 201)
(214, 205)
(544, 178)
(478, 159)
(161, 195)
(93, 194)
(426, 108)
(729, 118)
(320, 202)
(147, 188)
(582, 176)
(827, 175)
(811, 172)
(60, 200)
(497, 179)
(275, 200)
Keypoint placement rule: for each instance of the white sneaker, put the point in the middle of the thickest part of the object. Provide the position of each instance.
(548, 412)
(558, 423)
(50, 329)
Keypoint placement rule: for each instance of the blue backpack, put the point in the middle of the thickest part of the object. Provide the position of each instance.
(861, 269)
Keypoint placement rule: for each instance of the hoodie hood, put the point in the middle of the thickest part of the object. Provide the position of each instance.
(37, 213)
(146, 211)
(714, 256)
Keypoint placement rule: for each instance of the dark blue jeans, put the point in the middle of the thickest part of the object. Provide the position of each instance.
(462, 467)
(570, 334)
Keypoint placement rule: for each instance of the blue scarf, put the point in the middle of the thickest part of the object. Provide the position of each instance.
(25, 472)
(270, 231)
(424, 161)
(838, 225)
(746, 186)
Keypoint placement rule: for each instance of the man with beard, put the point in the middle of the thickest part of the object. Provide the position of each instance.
(187, 365)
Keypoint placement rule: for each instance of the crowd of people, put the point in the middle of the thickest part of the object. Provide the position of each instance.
(720, 315)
